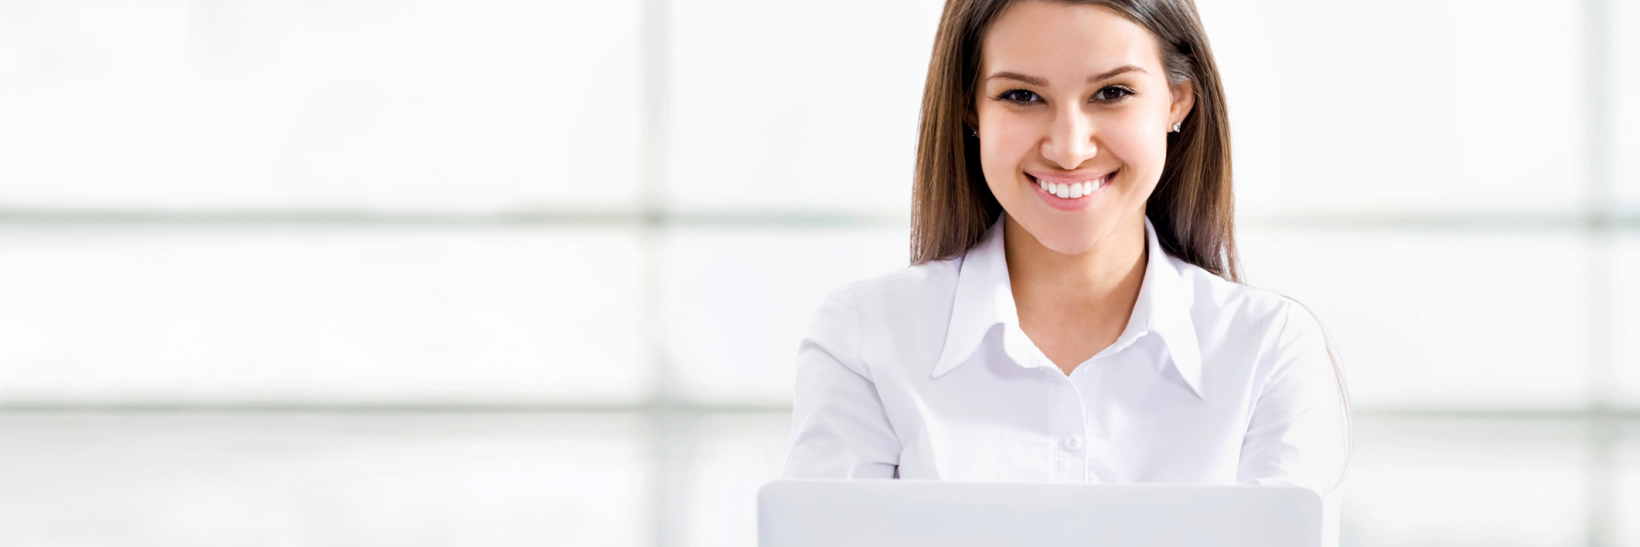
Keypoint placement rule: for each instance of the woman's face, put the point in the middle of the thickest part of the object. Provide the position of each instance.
(1074, 97)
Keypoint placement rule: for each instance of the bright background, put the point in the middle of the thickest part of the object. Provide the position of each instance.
(511, 272)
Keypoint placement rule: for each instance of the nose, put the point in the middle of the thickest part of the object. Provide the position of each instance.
(1070, 140)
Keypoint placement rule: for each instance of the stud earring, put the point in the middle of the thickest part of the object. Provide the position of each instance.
(1176, 127)
(973, 132)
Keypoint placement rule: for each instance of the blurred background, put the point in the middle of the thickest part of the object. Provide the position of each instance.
(511, 272)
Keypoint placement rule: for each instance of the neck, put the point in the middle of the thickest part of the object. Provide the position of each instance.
(1098, 286)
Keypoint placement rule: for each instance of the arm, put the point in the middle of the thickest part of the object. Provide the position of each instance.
(839, 426)
(1299, 431)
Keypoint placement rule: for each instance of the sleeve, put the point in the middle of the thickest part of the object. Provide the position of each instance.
(1299, 433)
(839, 426)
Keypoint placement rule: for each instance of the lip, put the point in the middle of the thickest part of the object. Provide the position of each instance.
(1070, 177)
(1071, 204)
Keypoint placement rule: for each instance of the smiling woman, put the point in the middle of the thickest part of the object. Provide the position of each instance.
(1194, 204)
(1073, 311)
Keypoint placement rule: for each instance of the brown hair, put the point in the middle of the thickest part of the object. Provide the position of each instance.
(1192, 207)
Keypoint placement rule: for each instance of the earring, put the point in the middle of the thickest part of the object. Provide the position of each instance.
(1176, 127)
(973, 132)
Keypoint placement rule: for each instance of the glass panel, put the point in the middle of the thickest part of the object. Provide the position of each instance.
(1441, 319)
(796, 105)
(1625, 97)
(1626, 498)
(179, 480)
(737, 302)
(1405, 105)
(328, 315)
(731, 457)
(248, 105)
(1450, 482)
(1624, 305)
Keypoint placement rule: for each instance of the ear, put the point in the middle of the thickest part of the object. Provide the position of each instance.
(1184, 98)
(970, 120)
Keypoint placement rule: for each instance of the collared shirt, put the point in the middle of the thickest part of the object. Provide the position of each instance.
(925, 374)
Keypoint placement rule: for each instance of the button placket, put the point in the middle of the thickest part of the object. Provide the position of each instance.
(1067, 426)
(1073, 443)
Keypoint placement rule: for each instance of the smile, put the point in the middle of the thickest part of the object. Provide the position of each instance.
(1071, 189)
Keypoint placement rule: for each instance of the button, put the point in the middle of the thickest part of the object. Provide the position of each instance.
(1073, 442)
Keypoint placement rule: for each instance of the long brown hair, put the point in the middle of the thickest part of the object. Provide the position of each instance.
(1192, 207)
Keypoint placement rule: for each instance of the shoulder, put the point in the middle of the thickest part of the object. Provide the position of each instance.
(905, 310)
(911, 287)
(1275, 334)
(896, 296)
(1216, 301)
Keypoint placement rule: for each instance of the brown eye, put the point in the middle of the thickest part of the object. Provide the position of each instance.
(1018, 96)
(1112, 94)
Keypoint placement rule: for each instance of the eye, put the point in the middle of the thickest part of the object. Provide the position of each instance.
(1111, 94)
(1019, 96)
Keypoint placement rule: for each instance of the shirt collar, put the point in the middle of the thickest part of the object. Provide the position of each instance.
(984, 299)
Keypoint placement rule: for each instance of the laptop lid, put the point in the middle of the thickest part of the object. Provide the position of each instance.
(904, 513)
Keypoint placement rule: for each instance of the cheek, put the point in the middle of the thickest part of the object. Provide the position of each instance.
(1006, 146)
(1138, 144)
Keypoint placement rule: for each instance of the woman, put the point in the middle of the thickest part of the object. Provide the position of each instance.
(1072, 313)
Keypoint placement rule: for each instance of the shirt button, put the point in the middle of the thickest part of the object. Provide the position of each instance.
(1073, 442)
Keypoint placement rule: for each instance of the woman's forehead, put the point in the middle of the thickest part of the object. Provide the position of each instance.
(1065, 43)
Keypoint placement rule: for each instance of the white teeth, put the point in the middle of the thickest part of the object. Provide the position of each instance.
(1071, 190)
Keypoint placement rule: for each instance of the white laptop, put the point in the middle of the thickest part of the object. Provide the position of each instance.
(903, 513)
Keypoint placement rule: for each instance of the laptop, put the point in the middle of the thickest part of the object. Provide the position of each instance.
(906, 513)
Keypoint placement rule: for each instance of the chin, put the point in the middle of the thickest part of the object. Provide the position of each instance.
(1068, 238)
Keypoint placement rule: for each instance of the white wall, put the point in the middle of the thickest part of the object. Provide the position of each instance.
(632, 207)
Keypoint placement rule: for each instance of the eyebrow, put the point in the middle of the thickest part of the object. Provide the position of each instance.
(1017, 76)
(1112, 73)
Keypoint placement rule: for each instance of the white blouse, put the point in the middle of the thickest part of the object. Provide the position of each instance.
(924, 373)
